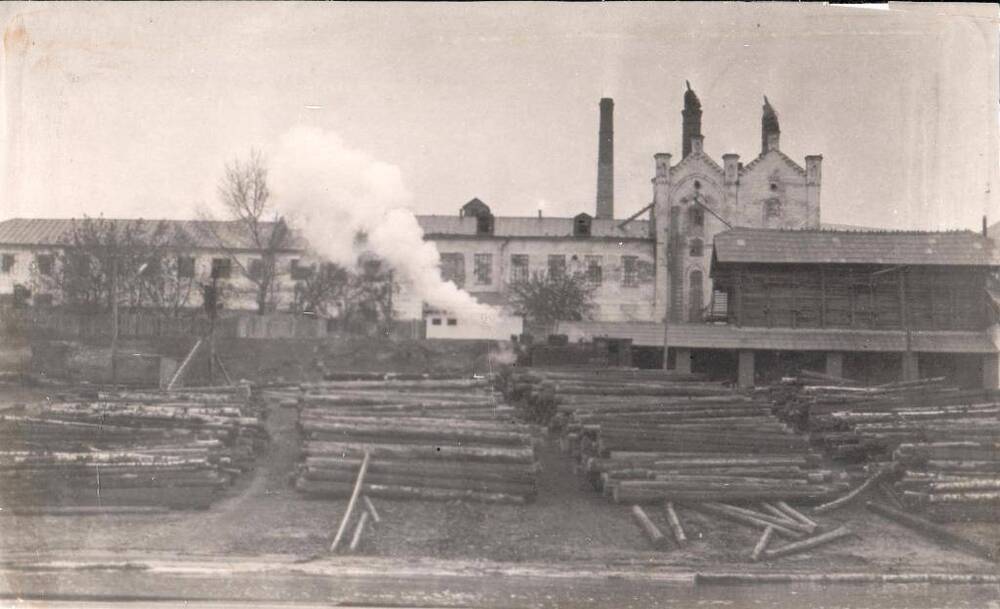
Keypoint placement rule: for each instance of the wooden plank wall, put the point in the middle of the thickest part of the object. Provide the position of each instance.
(833, 296)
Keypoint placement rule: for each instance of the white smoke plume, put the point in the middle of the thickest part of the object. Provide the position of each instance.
(331, 192)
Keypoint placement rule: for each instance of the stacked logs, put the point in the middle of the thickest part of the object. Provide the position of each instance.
(152, 450)
(656, 437)
(941, 441)
(426, 439)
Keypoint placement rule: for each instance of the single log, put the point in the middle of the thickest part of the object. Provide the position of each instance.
(343, 431)
(92, 510)
(350, 504)
(337, 490)
(808, 544)
(649, 528)
(774, 511)
(723, 511)
(851, 496)
(486, 486)
(777, 521)
(796, 515)
(933, 531)
(675, 523)
(510, 472)
(358, 530)
(492, 454)
(376, 518)
(762, 543)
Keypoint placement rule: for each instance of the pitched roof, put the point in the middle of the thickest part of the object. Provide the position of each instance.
(721, 336)
(955, 248)
(512, 226)
(188, 233)
(781, 155)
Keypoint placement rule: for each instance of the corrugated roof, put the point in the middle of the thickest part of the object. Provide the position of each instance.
(956, 248)
(527, 226)
(721, 336)
(189, 233)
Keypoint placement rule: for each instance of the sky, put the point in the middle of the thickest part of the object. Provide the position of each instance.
(133, 109)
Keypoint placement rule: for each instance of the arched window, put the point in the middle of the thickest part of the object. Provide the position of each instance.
(695, 298)
(696, 219)
(696, 248)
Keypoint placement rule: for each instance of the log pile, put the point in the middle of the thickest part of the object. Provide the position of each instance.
(654, 437)
(154, 449)
(940, 440)
(426, 439)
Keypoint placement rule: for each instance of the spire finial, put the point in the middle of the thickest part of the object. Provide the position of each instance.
(688, 83)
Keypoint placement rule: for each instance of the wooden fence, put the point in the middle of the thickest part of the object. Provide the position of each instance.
(134, 323)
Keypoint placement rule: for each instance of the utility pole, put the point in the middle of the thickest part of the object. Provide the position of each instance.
(114, 319)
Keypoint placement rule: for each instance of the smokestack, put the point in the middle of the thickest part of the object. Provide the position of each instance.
(606, 161)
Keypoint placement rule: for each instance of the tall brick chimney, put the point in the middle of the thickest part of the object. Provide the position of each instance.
(606, 161)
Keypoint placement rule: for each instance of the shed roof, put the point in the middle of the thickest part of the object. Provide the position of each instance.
(188, 233)
(954, 248)
(531, 227)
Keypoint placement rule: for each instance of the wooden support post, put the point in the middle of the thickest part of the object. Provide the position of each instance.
(675, 523)
(808, 544)
(371, 509)
(762, 543)
(911, 366)
(745, 375)
(835, 364)
(358, 531)
(649, 527)
(991, 371)
(350, 504)
(179, 373)
(822, 300)
(682, 361)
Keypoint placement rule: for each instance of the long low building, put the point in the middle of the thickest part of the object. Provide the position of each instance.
(906, 303)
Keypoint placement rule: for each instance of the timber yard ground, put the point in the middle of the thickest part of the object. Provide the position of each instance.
(571, 547)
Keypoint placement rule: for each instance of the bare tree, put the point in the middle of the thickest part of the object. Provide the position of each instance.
(322, 289)
(545, 299)
(244, 192)
(100, 260)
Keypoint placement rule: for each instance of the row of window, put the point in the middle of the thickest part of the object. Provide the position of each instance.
(222, 268)
(453, 268)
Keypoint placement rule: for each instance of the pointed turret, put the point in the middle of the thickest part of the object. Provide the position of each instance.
(770, 131)
(691, 126)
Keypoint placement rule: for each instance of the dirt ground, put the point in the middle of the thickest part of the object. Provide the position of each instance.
(263, 515)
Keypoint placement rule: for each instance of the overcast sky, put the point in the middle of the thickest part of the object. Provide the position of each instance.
(133, 109)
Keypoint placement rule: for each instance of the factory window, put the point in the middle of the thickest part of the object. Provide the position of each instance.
(772, 209)
(484, 269)
(298, 271)
(581, 225)
(557, 265)
(222, 268)
(44, 262)
(255, 269)
(453, 268)
(436, 321)
(518, 268)
(185, 267)
(452, 322)
(696, 218)
(630, 271)
(595, 274)
(696, 248)
(8, 263)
